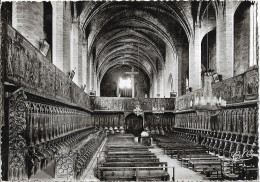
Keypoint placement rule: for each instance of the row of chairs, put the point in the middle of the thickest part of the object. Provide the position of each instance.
(86, 152)
(41, 155)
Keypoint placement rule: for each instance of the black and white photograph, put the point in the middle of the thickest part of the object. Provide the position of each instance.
(129, 90)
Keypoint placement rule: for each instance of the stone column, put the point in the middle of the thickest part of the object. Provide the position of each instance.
(61, 35)
(95, 82)
(195, 60)
(225, 41)
(84, 64)
(76, 57)
(91, 76)
(160, 83)
(253, 38)
(155, 86)
(27, 18)
(176, 75)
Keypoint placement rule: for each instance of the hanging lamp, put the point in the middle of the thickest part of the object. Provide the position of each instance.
(208, 104)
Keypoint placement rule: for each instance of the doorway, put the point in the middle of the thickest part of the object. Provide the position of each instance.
(134, 124)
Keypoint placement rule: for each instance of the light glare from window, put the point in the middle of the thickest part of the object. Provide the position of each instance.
(124, 83)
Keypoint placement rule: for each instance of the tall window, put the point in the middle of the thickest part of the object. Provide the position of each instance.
(125, 87)
(47, 27)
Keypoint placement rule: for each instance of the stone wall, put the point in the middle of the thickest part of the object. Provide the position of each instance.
(28, 20)
(209, 41)
(241, 38)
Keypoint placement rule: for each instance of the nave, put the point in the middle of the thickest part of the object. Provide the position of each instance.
(77, 73)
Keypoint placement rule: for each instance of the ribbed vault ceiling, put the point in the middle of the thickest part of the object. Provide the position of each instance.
(135, 32)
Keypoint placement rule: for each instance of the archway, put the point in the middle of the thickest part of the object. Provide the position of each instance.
(134, 124)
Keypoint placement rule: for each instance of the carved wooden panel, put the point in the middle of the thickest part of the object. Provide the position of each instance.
(65, 164)
(239, 120)
(251, 85)
(27, 67)
(233, 90)
(107, 120)
(245, 120)
(165, 120)
(252, 120)
(17, 136)
(128, 104)
(3, 50)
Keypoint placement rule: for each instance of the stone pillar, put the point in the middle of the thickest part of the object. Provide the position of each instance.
(195, 60)
(91, 76)
(61, 35)
(97, 87)
(151, 89)
(27, 18)
(76, 59)
(160, 83)
(84, 64)
(176, 75)
(253, 38)
(225, 41)
(80, 61)
(89, 87)
(95, 82)
(155, 86)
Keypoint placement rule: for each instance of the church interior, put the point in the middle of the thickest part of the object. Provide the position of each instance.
(129, 90)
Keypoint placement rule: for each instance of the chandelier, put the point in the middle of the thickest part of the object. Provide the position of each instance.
(138, 111)
(157, 110)
(208, 104)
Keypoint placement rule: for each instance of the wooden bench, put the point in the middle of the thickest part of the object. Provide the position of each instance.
(152, 175)
(180, 152)
(132, 159)
(134, 164)
(151, 155)
(128, 152)
(132, 173)
(201, 164)
(185, 161)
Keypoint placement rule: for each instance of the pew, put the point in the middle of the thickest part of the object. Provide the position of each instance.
(186, 160)
(133, 173)
(132, 159)
(134, 164)
(198, 165)
(130, 163)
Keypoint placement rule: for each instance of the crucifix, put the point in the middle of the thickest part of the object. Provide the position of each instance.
(132, 73)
